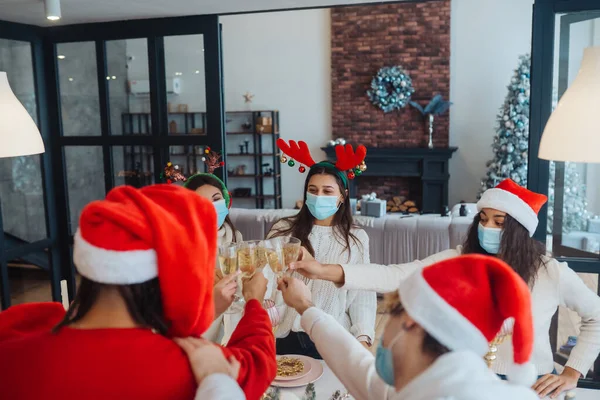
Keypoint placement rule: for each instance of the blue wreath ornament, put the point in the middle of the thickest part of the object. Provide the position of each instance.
(391, 89)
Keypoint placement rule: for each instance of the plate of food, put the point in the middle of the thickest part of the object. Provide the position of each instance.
(291, 367)
(290, 375)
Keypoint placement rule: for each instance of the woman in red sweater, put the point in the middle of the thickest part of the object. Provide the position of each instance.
(147, 276)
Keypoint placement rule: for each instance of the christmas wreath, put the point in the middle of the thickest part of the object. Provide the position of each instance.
(391, 89)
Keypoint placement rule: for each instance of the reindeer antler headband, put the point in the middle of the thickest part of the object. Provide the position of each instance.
(211, 159)
(348, 161)
(172, 173)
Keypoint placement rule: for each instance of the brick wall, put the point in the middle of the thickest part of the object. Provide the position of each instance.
(366, 38)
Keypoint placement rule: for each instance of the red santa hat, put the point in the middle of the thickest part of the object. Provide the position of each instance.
(518, 202)
(463, 302)
(163, 231)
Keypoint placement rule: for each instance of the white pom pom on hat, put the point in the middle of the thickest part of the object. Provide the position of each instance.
(524, 374)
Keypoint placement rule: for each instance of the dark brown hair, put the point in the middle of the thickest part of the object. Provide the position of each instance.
(430, 345)
(143, 301)
(301, 224)
(519, 250)
(200, 180)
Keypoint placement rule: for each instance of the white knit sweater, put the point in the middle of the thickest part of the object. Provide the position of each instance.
(355, 310)
(556, 284)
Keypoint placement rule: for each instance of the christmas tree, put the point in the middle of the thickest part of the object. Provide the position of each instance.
(575, 214)
(512, 132)
(510, 147)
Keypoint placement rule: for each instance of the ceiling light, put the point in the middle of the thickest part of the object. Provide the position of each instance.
(19, 135)
(70, 79)
(108, 78)
(571, 133)
(61, 57)
(197, 71)
(114, 77)
(52, 9)
(178, 74)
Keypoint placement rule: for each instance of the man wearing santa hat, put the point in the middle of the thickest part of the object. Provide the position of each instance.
(441, 321)
(504, 228)
(146, 259)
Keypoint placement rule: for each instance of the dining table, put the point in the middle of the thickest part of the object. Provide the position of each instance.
(328, 384)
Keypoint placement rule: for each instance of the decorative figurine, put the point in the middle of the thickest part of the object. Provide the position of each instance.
(246, 142)
(445, 211)
(241, 149)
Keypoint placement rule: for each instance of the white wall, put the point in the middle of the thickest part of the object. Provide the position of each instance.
(486, 38)
(284, 59)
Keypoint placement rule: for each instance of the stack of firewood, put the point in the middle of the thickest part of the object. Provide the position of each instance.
(400, 204)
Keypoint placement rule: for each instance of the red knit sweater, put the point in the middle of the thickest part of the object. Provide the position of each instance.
(117, 363)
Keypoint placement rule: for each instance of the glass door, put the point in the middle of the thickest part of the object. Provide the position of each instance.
(131, 96)
(570, 225)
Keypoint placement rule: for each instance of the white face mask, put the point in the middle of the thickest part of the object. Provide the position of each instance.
(489, 238)
(322, 207)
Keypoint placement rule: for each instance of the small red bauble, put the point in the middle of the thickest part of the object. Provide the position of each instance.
(222, 163)
(351, 175)
(169, 181)
(302, 169)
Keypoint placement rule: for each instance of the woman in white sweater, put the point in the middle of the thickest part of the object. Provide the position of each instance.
(504, 227)
(325, 228)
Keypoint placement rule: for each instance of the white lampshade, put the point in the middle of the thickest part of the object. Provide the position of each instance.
(19, 135)
(573, 130)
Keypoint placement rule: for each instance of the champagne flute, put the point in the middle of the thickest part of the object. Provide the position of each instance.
(275, 256)
(251, 257)
(228, 263)
(291, 250)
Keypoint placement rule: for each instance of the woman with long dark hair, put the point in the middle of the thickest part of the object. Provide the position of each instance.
(147, 272)
(326, 230)
(504, 228)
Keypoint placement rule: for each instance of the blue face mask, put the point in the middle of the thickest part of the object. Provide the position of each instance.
(322, 207)
(489, 238)
(222, 211)
(384, 362)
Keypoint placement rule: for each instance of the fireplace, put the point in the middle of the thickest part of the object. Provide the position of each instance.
(420, 174)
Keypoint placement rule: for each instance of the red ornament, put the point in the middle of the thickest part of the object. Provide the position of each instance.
(222, 163)
(351, 175)
(169, 181)
(207, 148)
(302, 169)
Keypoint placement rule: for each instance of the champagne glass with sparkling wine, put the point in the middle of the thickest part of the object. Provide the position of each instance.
(228, 263)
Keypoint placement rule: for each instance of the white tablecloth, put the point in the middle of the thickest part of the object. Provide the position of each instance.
(329, 383)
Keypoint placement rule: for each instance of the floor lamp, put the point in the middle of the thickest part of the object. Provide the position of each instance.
(573, 130)
(19, 136)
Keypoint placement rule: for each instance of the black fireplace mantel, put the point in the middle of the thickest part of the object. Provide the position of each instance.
(430, 165)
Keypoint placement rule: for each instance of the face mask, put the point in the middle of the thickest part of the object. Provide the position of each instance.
(384, 362)
(489, 238)
(322, 207)
(222, 211)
